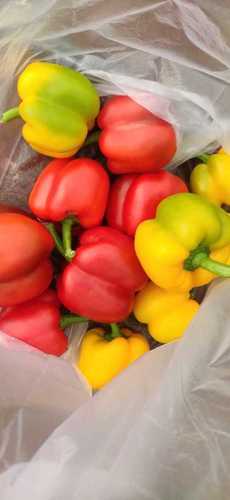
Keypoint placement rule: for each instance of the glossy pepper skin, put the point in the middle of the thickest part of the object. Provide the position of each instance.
(134, 198)
(101, 280)
(37, 323)
(133, 139)
(185, 245)
(25, 268)
(211, 178)
(58, 105)
(101, 358)
(71, 187)
(167, 313)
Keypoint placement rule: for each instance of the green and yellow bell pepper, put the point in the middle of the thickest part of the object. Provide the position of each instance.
(211, 178)
(167, 313)
(59, 106)
(187, 245)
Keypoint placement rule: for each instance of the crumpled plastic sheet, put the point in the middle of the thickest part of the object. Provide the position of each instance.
(160, 430)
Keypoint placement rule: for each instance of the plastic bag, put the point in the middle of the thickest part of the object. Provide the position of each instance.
(160, 431)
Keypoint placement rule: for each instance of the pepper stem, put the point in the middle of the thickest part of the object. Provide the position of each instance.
(200, 258)
(114, 332)
(58, 242)
(10, 114)
(67, 237)
(69, 319)
(92, 138)
(203, 158)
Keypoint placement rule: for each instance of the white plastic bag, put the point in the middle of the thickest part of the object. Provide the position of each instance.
(161, 430)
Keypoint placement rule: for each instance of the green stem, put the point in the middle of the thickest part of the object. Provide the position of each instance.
(200, 258)
(203, 158)
(69, 319)
(58, 242)
(215, 267)
(92, 138)
(115, 330)
(10, 114)
(67, 225)
(114, 333)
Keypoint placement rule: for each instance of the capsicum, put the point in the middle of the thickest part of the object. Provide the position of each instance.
(104, 355)
(167, 313)
(59, 106)
(25, 268)
(36, 323)
(71, 188)
(134, 198)
(133, 139)
(39, 323)
(211, 178)
(187, 244)
(100, 281)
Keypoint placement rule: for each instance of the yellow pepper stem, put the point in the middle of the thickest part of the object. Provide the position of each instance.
(10, 114)
(204, 158)
(200, 258)
(114, 333)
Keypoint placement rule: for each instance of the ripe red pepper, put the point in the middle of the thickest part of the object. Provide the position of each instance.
(71, 187)
(132, 138)
(101, 280)
(36, 322)
(25, 270)
(134, 198)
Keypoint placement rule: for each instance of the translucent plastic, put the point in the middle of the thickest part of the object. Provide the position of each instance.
(160, 431)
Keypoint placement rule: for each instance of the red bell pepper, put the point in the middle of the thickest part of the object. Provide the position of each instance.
(25, 270)
(71, 187)
(132, 138)
(101, 280)
(36, 323)
(134, 198)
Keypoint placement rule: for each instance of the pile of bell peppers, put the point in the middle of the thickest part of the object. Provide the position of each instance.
(103, 239)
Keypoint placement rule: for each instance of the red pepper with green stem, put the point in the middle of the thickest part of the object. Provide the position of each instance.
(134, 198)
(39, 323)
(101, 280)
(70, 191)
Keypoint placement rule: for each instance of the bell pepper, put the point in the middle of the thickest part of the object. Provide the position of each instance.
(134, 198)
(211, 178)
(25, 270)
(101, 280)
(133, 139)
(167, 313)
(58, 105)
(187, 245)
(78, 187)
(39, 323)
(104, 355)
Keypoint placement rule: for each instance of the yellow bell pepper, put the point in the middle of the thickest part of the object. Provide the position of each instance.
(167, 313)
(211, 178)
(59, 106)
(187, 245)
(104, 355)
